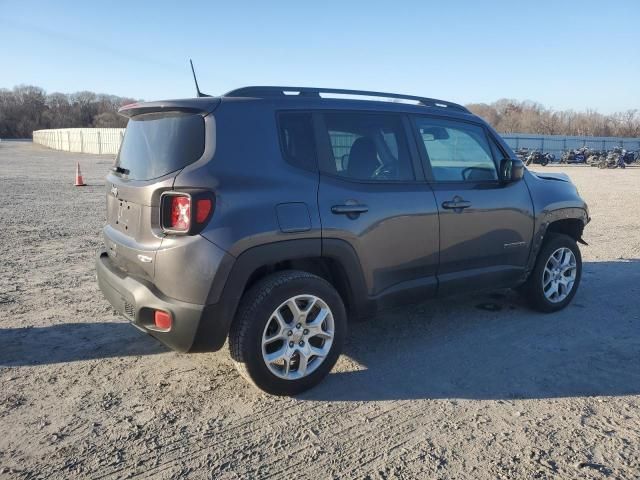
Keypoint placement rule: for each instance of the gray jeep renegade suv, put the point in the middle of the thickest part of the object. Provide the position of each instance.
(270, 215)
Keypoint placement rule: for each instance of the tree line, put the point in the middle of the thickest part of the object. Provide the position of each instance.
(512, 116)
(27, 108)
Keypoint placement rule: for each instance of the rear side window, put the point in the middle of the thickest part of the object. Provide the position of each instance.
(365, 146)
(456, 151)
(156, 144)
(297, 139)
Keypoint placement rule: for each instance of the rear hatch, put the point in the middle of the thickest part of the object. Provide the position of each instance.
(161, 139)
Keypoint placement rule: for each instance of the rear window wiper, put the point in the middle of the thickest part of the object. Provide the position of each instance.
(121, 170)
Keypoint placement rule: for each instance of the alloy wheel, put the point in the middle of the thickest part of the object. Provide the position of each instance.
(298, 337)
(559, 275)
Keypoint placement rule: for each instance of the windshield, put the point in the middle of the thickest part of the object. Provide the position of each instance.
(159, 143)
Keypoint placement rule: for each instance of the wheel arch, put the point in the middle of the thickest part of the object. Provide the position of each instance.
(568, 221)
(573, 227)
(333, 260)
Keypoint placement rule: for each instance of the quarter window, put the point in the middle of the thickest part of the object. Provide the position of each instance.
(368, 147)
(457, 151)
(297, 139)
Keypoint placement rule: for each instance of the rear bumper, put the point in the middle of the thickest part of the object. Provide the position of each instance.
(195, 327)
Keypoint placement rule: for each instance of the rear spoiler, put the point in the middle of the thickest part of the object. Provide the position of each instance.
(203, 105)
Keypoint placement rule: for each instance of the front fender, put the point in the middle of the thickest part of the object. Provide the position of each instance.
(546, 218)
(554, 198)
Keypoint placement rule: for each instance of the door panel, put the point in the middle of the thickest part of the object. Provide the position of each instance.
(485, 226)
(396, 239)
(487, 242)
(370, 195)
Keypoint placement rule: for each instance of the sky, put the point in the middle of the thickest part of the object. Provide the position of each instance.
(564, 54)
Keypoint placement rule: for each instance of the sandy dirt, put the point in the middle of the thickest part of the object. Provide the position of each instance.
(475, 387)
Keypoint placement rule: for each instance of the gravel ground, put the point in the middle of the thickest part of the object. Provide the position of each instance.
(474, 387)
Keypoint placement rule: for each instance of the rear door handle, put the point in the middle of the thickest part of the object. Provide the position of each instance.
(456, 204)
(350, 210)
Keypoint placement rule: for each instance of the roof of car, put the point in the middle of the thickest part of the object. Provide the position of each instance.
(307, 97)
(293, 93)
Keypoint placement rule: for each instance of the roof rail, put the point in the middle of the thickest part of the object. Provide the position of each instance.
(315, 92)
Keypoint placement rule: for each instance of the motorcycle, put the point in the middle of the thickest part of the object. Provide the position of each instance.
(594, 157)
(575, 156)
(540, 158)
(522, 154)
(614, 159)
(629, 157)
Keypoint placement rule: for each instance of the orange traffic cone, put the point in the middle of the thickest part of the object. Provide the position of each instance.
(79, 181)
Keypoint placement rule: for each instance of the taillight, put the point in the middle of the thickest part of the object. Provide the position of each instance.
(180, 217)
(185, 212)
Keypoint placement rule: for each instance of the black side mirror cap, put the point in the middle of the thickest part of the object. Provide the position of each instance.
(511, 170)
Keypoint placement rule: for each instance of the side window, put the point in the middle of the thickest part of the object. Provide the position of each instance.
(366, 146)
(456, 151)
(297, 139)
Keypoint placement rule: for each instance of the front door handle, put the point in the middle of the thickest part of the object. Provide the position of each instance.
(349, 209)
(456, 204)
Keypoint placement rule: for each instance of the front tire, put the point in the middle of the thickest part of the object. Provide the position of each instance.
(556, 275)
(288, 332)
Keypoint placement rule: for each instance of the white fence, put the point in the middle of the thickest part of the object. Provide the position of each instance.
(85, 140)
(108, 140)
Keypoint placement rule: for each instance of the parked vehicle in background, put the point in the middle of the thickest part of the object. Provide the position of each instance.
(595, 157)
(575, 156)
(628, 157)
(613, 159)
(522, 154)
(271, 215)
(617, 157)
(540, 158)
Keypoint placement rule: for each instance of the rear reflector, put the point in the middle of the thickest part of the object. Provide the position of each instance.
(162, 320)
(203, 209)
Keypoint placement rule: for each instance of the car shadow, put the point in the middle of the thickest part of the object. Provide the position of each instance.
(70, 342)
(483, 346)
(492, 346)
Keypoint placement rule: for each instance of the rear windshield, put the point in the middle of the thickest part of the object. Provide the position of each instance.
(159, 143)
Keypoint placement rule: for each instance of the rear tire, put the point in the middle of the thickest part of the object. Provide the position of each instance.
(288, 332)
(556, 275)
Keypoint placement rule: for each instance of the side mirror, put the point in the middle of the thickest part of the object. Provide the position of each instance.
(511, 170)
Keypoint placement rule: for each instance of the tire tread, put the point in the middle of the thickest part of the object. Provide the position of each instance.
(247, 312)
(532, 291)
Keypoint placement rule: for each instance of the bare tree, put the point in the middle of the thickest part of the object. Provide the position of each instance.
(511, 116)
(27, 108)
(627, 123)
(107, 120)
